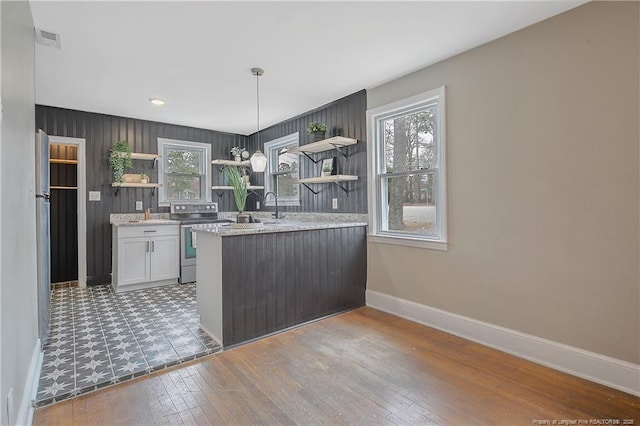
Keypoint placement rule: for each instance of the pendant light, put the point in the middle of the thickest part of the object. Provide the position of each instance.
(258, 159)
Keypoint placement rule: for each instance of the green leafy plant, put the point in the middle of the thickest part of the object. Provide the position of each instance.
(237, 150)
(239, 185)
(120, 159)
(326, 169)
(143, 176)
(316, 127)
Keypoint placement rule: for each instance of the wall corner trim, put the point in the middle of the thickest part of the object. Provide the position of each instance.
(612, 372)
(25, 413)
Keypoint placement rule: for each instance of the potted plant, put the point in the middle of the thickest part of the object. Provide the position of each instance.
(144, 178)
(326, 170)
(238, 152)
(120, 159)
(317, 131)
(240, 192)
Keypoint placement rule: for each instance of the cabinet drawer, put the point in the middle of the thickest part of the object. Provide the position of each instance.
(147, 231)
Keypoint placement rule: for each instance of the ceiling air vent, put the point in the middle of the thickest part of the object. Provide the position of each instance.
(47, 38)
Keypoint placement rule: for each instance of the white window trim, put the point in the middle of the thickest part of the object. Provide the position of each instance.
(374, 161)
(281, 142)
(187, 144)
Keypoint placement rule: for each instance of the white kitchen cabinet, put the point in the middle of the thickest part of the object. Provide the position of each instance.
(145, 256)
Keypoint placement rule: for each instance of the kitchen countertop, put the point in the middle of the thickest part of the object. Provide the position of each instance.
(280, 226)
(150, 222)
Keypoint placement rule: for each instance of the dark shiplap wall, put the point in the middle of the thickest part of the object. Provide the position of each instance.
(100, 132)
(344, 117)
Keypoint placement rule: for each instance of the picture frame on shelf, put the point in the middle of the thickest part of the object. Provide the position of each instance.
(328, 167)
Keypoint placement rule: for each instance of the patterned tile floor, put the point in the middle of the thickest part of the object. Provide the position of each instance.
(99, 338)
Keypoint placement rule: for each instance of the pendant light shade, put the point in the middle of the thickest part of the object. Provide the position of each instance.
(258, 162)
(258, 159)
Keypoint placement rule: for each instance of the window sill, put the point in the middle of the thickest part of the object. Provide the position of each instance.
(409, 242)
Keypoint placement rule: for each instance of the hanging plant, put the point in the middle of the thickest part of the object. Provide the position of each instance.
(120, 159)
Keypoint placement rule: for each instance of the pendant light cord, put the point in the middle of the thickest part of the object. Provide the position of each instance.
(258, 104)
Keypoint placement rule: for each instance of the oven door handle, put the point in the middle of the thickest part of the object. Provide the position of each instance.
(194, 239)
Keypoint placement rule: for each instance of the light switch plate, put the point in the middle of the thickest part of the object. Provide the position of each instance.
(94, 195)
(334, 203)
(138, 205)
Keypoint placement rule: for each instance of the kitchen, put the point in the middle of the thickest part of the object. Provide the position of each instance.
(398, 279)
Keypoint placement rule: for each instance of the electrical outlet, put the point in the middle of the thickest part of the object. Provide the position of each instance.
(10, 406)
(94, 195)
(257, 205)
(138, 205)
(334, 203)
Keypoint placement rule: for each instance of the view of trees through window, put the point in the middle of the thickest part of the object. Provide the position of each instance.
(183, 170)
(287, 183)
(410, 161)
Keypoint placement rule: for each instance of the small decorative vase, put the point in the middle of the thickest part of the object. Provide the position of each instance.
(237, 158)
(243, 217)
(144, 180)
(317, 136)
(246, 180)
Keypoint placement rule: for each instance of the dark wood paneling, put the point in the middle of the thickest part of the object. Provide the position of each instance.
(278, 280)
(101, 132)
(344, 117)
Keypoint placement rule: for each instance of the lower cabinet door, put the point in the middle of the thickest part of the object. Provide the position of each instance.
(165, 257)
(133, 261)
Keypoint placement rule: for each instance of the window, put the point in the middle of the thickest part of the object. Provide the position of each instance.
(184, 171)
(407, 200)
(282, 171)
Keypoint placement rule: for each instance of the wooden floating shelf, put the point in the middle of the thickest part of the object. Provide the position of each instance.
(329, 179)
(63, 187)
(245, 163)
(136, 185)
(141, 156)
(62, 161)
(323, 145)
(118, 185)
(225, 188)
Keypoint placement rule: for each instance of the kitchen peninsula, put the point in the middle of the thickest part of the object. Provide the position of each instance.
(253, 282)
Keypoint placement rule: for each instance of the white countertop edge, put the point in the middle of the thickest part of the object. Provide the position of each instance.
(151, 222)
(270, 228)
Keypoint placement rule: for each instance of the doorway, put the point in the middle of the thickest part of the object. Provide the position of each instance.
(67, 166)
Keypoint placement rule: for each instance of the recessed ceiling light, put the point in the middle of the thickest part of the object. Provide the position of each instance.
(156, 101)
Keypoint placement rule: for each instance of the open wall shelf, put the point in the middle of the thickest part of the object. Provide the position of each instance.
(336, 179)
(336, 142)
(118, 185)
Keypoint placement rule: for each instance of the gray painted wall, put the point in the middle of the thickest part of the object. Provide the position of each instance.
(543, 186)
(17, 211)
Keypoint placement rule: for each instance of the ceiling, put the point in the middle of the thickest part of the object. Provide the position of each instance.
(197, 56)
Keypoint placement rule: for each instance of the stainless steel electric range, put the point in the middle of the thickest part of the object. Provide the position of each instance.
(190, 214)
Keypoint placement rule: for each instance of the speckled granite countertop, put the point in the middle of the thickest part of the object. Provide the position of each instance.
(280, 226)
(137, 219)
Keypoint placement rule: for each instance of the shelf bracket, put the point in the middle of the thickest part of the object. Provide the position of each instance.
(220, 193)
(153, 191)
(309, 188)
(252, 191)
(342, 187)
(311, 158)
(153, 165)
(117, 189)
(339, 148)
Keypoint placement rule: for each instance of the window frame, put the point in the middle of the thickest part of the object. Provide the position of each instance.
(163, 145)
(377, 172)
(289, 140)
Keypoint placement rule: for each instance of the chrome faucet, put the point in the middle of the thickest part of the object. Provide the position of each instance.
(275, 214)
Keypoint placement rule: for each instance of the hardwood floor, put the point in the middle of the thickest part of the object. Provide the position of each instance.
(363, 367)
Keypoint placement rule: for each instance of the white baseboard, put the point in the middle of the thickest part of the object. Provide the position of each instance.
(612, 372)
(25, 414)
